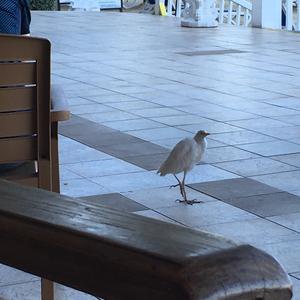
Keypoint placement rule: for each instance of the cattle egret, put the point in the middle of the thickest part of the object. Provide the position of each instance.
(182, 158)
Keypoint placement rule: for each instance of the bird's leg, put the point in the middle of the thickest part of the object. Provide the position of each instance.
(185, 200)
(183, 188)
(179, 184)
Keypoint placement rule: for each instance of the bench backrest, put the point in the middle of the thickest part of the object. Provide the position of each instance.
(25, 106)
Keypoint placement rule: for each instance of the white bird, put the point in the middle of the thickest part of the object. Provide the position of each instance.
(183, 158)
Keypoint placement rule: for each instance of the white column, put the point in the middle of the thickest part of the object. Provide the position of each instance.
(298, 16)
(199, 13)
(266, 13)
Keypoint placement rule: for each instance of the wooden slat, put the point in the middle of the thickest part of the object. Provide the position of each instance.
(27, 180)
(14, 48)
(14, 99)
(116, 255)
(18, 149)
(17, 124)
(24, 173)
(17, 73)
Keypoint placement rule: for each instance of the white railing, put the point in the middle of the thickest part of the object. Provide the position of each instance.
(291, 9)
(235, 12)
(173, 6)
(241, 12)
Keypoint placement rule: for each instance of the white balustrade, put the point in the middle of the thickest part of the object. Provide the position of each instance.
(289, 14)
(234, 12)
(199, 13)
(291, 9)
(261, 13)
(298, 16)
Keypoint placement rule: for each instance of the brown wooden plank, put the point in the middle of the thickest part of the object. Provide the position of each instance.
(17, 124)
(24, 173)
(18, 149)
(17, 73)
(116, 255)
(55, 158)
(14, 99)
(22, 47)
(26, 180)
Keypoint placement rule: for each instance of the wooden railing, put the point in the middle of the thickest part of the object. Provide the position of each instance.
(121, 256)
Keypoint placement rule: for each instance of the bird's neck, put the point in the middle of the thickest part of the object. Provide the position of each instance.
(198, 139)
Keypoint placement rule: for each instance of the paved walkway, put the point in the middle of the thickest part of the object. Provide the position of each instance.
(137, 84)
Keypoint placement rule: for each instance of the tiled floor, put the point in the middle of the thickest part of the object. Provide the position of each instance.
(136, 85)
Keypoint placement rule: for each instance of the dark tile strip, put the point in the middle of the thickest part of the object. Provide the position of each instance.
(139, 152)
(148, 162)
(115, 201)
(251, 195)
(234, 188)
(268, 205)
(210, 52)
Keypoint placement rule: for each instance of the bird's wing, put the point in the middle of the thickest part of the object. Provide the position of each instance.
(180, 158)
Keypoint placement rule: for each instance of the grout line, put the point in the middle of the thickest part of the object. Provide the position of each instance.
(19, 283)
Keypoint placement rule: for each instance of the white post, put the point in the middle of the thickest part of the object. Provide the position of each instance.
(238, 16)
(169, 8)
(246, 17)
(229, 19)
(298, 16)
(178, 9)
(289, 14)
(221, 12)
(266, 13)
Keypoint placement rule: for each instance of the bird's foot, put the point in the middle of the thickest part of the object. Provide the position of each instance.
(189, 202)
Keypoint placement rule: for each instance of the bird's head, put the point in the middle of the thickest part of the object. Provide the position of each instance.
(200, 135)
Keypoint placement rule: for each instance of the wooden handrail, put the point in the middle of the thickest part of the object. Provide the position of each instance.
(116, 255)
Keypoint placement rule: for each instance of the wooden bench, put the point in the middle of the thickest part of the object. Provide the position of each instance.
(116, 255)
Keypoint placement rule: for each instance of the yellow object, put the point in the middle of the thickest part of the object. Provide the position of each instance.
(162, 9)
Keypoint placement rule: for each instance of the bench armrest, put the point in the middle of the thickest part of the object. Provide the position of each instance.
(59, 105)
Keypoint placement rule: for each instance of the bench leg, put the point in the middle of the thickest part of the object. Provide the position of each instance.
(47, 292)
(54, 157)
(47, 289)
